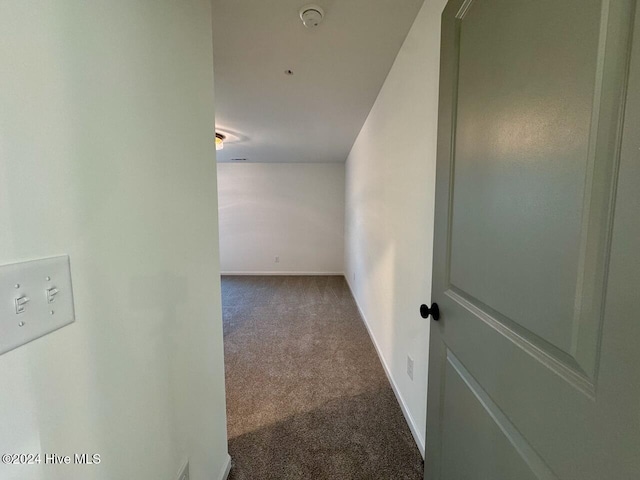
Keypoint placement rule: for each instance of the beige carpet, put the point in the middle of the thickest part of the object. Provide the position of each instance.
(307, 397)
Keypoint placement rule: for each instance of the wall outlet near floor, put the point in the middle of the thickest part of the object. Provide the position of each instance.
(410, 366)
(277, 260)
(184, 473)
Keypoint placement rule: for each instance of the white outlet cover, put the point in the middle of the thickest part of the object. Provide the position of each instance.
(410, 367)
(41, 316)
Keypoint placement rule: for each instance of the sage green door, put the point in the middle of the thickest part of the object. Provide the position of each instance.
(535, 362)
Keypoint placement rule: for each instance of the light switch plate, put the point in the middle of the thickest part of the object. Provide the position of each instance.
(46, 286)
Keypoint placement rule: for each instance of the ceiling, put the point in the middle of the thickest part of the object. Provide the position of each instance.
(338, 68)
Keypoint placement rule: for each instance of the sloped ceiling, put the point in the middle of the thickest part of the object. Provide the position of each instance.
(338, 68)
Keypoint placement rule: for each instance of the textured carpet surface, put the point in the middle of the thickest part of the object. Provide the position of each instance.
(307, 397)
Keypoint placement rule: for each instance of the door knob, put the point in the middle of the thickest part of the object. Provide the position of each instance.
(434, 311)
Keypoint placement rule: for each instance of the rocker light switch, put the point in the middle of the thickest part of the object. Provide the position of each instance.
(35, 299)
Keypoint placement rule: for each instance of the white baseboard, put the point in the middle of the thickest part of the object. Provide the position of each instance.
(403, 406)
(225, 469)
(184, 470)
(273, 273)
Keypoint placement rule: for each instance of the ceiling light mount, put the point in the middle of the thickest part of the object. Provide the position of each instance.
(311, 15)
(220, 138)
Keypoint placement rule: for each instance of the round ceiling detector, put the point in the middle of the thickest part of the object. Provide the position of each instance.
(311, 15)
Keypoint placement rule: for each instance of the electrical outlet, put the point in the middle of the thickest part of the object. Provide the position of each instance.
(277, 259)
(184, 473)
(354, 276)
(410, 367)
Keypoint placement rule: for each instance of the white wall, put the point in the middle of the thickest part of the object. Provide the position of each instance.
(291, 210)
(106, 154)
(390, 182)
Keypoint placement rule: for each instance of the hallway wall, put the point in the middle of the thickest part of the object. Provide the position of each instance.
(390, 186)
(291, 210)
(106, 154)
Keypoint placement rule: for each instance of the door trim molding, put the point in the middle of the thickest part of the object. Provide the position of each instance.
(226, 468)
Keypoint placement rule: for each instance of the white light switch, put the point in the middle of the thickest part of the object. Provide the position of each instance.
(51, 294)
(35, 299)
(21, 304)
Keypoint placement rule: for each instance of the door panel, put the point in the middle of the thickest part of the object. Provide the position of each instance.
(523, 381)
(476, 429)
(521, 157)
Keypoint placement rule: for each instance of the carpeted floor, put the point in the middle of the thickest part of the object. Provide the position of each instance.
(307, 397)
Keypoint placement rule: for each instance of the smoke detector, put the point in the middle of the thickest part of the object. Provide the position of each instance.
(311, 15)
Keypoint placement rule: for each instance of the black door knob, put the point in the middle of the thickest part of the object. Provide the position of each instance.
(434, 311)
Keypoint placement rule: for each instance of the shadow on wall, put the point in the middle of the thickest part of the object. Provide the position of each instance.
(375, 265)
(343, 438)
(388, 249)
